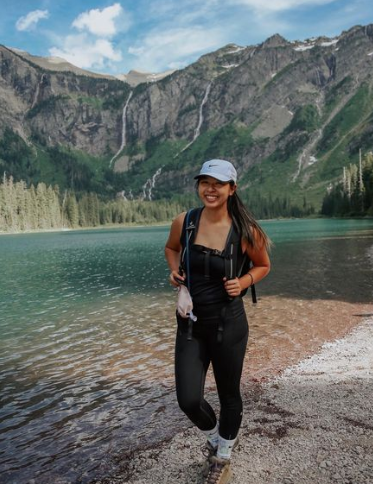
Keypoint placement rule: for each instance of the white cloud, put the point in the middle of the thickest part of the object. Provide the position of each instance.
(29, 21)
(86, 53)
(279, 5)
(103, 23)
(176, 65)
(93, 47)
(163, 9)
(166, 49)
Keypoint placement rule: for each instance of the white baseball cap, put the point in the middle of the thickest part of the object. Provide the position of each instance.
(222, 170)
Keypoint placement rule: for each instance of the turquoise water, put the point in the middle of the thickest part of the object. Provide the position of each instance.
(86, 320)
(324, 259)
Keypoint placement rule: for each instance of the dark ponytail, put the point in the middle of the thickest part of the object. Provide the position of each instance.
(246, 223)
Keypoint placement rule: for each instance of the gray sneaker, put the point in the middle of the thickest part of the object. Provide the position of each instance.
(219, 471)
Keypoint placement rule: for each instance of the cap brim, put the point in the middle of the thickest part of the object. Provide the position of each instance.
(217, 176)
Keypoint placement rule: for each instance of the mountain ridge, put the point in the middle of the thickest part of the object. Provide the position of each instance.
(285, 112)
(59, 64)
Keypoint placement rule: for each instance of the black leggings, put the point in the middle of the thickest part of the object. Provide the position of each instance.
(192, 359)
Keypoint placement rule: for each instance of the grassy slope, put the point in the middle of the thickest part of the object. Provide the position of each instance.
(334, 149)
(338, 147)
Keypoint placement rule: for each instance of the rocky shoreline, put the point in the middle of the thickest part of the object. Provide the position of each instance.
(313, 424)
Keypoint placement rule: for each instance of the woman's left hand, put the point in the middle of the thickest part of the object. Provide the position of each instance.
(232, 286)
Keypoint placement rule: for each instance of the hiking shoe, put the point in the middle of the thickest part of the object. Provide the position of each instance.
(219, 472)
(208, 451)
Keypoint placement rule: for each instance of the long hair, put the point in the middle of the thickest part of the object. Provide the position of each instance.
(246, 223)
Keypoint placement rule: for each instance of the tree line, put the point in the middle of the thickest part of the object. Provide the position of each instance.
(353, 194)
(43, 207)
(276, 207)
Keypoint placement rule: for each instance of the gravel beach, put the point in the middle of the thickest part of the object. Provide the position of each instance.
(313, 424)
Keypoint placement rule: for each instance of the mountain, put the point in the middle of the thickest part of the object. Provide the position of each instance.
(61, 65)
(57, 64)
(290, 115)
(134, 78)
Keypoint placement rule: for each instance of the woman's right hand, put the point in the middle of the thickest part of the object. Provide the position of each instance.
(176, 279)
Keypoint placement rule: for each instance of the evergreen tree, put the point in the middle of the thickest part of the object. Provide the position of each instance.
(21, 205)
(72, 211)
(10, 205)
(33, 215)
(3, 226)
(44, 221)
(353, 195)
(54, 205)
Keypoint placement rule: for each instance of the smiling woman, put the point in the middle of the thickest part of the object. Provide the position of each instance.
(211, 250)
(212, 191)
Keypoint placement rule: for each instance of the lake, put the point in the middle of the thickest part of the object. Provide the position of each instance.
(87, 335)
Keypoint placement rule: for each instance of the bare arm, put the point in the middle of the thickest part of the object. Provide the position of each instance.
(261, 267)
(173, 249)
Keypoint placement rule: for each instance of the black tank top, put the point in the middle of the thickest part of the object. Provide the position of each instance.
(207, 270)
(208, 267)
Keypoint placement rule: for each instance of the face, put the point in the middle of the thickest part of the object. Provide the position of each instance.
(213, 192)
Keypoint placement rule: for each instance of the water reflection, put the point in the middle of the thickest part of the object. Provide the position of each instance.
(331, 268)
(87, 334)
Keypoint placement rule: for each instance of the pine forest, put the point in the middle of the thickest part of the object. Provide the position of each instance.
(353, 195)
(43, 207)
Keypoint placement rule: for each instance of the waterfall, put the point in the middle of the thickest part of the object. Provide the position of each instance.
(126, 196)
(305, 158)
(318, 77)
(200, 121)
(122, 195)
(147, 188)
(197, 131)
(123, 144)
(36, 97)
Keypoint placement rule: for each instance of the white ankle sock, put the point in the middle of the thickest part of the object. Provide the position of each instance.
(225, 448)
(212, 435)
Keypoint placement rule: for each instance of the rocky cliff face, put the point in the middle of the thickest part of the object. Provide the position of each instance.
(258, 88)
(256, 91)
(246, 83)
(60, 107)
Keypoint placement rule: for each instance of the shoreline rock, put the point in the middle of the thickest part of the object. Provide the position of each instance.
(313, 424)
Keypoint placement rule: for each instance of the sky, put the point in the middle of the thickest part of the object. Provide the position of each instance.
(115, 36)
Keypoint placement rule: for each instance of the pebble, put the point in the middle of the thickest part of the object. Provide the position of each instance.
(319, 445)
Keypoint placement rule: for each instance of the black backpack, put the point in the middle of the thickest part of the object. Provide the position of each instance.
(236, 263)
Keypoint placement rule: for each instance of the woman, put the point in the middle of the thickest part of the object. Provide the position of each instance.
(219, 335)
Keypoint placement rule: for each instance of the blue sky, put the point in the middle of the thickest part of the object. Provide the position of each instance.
(114, 36)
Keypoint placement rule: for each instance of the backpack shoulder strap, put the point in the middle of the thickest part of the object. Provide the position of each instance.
(235, 262)
(189, 231)
(231, 253)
